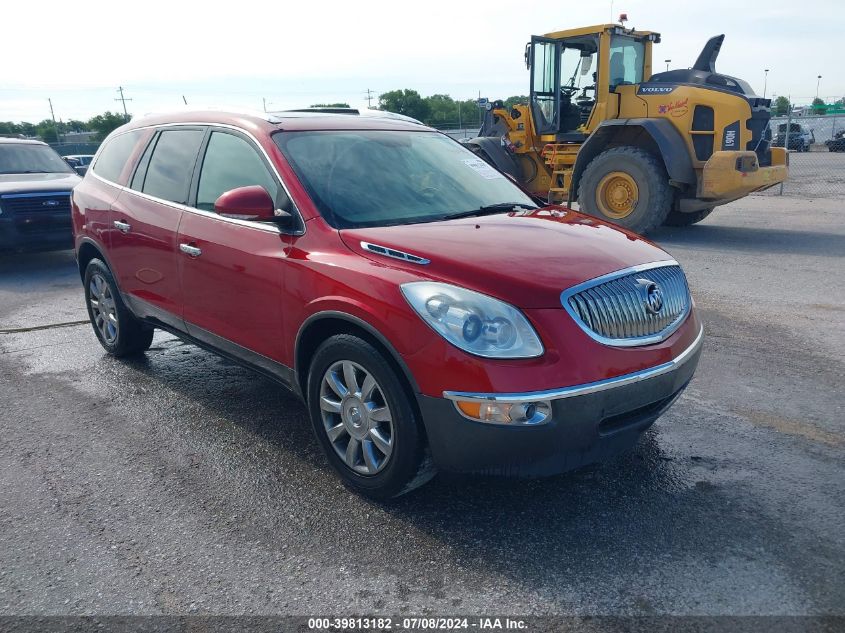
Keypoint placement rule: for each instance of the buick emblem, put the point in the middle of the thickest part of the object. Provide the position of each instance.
(50, 203)
(651, 295)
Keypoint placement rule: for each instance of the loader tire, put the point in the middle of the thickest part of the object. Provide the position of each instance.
(676, 218)
(627, 186)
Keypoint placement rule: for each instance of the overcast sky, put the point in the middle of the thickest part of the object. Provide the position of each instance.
(297, 54)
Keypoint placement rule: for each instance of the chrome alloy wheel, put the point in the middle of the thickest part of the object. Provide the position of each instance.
(103, 308)
(356, 417)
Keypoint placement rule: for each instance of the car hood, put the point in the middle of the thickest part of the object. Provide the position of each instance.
(26, 183)
(526, 259)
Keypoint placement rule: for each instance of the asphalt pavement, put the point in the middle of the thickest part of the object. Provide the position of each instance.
(179, 483)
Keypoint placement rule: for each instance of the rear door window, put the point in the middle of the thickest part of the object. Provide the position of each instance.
(171, 165)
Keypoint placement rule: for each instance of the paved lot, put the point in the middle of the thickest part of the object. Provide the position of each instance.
(179, 483)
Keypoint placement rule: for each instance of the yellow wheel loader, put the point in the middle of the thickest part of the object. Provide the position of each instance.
(640, 149)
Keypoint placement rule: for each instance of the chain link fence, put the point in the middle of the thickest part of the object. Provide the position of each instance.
(817, 157)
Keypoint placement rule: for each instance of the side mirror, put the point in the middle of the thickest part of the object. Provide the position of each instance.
(246, 203)
(80, 169)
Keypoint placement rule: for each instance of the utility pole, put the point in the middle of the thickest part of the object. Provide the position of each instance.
(123, 100)
(818, 81)
(765, 81)
(370, 94)
(53, 116)
(667, 64)
(264, 103)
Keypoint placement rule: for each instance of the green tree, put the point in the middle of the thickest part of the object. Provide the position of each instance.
(330, 105)
(819, 106)
(46, 131)
(8, 127)
(104, 124)
(407, 102)
(512, 101)
(442, 110)
(782, 106)
(75, 125)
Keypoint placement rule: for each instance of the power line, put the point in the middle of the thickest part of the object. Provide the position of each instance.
(123, 100)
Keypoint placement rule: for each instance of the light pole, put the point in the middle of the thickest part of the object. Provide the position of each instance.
(818, 81)
(765, 81)
(667, 64)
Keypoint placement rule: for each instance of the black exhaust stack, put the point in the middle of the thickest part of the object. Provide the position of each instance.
(707, 59)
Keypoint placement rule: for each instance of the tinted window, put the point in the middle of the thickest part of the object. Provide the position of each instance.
(137, 182)
(172, 163)
(114, 155)
(626, 61)
(376, 178)
(231, 162)
(30, 158)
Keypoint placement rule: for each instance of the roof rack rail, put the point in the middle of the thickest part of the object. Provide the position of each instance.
(327, 110)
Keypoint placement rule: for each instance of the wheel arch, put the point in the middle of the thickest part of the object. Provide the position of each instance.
(657, 136)
(321, 325)
(88, 249)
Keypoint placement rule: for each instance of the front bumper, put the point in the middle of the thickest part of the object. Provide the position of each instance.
(588, 423)
(730, 175)
(52, 233)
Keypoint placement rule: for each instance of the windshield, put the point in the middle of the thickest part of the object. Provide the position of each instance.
(361, 178)
(23, 158)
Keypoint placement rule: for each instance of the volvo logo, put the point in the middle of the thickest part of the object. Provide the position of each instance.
(651, 294)
(50, 203)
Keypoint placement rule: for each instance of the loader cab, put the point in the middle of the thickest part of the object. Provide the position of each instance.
(573, 74)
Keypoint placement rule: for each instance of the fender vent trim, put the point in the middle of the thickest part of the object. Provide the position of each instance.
(395, 254)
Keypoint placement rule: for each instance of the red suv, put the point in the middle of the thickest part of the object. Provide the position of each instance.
(426, 310)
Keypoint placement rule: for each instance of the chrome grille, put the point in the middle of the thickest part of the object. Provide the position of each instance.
(619, 308)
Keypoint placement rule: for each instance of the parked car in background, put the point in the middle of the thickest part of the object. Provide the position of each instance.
(426, 311)
(35, 186)
(837, 143)
(800, 137)
(79, 162)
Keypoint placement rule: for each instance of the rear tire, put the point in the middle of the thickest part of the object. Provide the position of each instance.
(627, 186)
(676, 218)
(364, 419)
(117, 329)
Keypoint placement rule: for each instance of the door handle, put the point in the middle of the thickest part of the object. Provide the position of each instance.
(193, 251)
(122, 226)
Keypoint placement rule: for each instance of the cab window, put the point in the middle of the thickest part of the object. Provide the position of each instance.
(231, 162)
(626, 61)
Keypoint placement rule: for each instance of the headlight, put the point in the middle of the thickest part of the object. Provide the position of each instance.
(474, 322)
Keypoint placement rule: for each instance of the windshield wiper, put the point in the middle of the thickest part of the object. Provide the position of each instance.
(28, 171)
(490, 209)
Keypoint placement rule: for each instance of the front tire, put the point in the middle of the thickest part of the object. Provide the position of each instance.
(117, 329)
(626, 186)
(364, 420)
